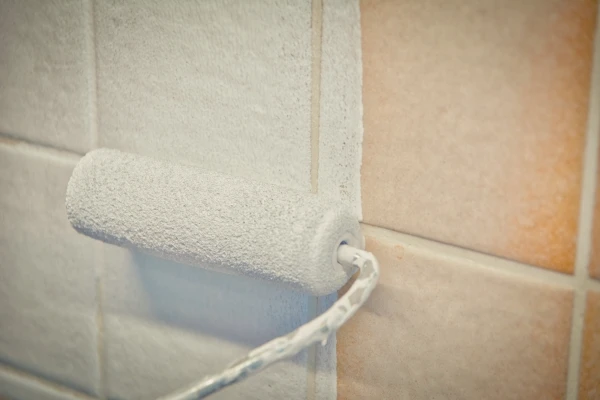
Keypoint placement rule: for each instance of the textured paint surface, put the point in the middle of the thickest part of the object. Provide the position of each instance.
(341, 103)
(225, 86)
(47, 276)
(589, 380)
(444, 328)
(475, 116)
(44, 72)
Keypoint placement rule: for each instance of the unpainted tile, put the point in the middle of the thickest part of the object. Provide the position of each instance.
(445, 328)
(594, 266)
(475, 116)
(589, 380)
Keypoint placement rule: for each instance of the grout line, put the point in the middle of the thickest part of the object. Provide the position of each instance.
(17, 373)
(99, 267)
(316, 28)
(311, 362)
(586, 215)
(315, 106)
(9, 140)
(92, 71)
(481, 259)
(93, 132)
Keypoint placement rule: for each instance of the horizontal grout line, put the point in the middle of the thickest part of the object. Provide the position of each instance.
(52, 385)
(57, 151)
(485, 260)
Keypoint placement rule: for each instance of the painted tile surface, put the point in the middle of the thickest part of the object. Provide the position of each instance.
(47, 276)
(225, 86)
(44, 72)
(341, 126)
(444, 328)
(474, 116)
(168, 325)
(589, 380)
(18, 386)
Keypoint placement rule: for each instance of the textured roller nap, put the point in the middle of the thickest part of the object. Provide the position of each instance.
(215, 221)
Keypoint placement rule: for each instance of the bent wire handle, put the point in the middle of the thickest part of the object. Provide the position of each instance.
(315, 331)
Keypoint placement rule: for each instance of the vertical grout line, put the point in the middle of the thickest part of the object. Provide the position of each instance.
(93, 131)
(311, 363)
(586, 214)
(92, 79)
(315, 113)
(315, 106)
(100, 346)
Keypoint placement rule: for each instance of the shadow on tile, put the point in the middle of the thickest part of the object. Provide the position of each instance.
(234, 308)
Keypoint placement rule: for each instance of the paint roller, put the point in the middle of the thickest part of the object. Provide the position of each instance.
(300, 241)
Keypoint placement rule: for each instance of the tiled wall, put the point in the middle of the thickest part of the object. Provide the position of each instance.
(478, 180)
(269, 90)
(478, 184)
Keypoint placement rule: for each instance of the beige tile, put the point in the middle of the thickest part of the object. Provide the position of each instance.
(474, 116)
(589, 381)
(444, 328)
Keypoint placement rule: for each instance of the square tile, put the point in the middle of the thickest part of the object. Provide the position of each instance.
(47, 278)
(445, 328)
(168, 325)
(475, 116)
(589, 379)
(225, 86)
(45, 72)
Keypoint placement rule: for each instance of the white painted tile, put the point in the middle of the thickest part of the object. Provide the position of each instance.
(168, 325)
(223, 85)
(19, 386)
(47, 278)
(341, 128)
(44, 72)
(340, 137)
(326, 361)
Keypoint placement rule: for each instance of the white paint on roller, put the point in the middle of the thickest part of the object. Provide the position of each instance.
(223, 223)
